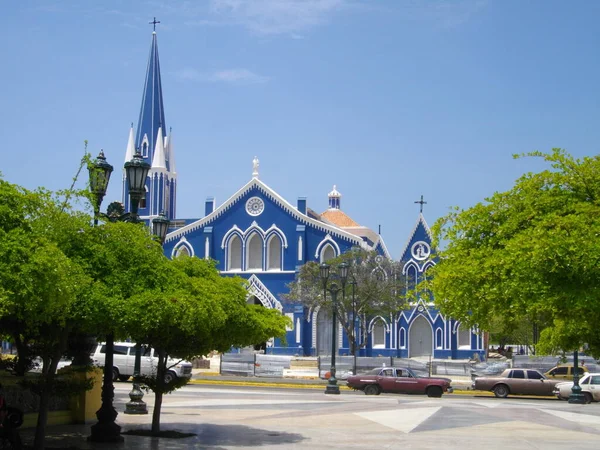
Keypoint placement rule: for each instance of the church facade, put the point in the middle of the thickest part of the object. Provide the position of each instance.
(260, 236)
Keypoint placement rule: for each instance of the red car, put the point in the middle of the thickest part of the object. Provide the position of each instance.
(398, 380)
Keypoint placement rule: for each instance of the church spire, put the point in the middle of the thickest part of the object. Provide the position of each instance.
(130, 146)
(158, 162)
(152, 113)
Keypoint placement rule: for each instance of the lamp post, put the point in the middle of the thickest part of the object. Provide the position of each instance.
(106, 430)
(353, 284)
(576, 395)
(136, 405)
(332, 387)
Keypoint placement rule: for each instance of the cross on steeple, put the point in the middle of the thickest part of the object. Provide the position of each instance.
(154, 22)
(421, 202)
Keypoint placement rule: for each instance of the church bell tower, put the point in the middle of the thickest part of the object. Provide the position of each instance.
(155, 145)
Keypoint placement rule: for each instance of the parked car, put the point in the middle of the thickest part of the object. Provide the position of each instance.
(39, 364)
(398, 380)
(124, 361)
(590, 388)
(516, 381)
(565, 372)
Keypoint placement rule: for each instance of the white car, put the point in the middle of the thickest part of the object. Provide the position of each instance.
(590, 388)
(124, 361)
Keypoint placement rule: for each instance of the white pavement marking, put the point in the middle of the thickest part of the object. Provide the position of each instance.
(582, 419)
(400, 419)
(239, 401)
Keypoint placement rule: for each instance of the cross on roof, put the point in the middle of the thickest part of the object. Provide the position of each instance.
(154, 22)
(421, 202)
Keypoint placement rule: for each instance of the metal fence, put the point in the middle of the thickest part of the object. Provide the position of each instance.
(249, 364)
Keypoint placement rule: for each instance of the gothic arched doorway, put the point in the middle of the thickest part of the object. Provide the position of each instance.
(420, 338)
(253, 300)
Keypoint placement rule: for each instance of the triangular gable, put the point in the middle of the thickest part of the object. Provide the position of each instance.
(277, 199)
(380, 244)
(420, 232)
(260, 291)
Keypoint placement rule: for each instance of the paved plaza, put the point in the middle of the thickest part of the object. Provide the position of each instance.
(226, 417)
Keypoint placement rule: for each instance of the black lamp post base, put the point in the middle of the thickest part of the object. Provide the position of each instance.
(136, 405)
(106, 432)
(578, 398)
(332, 389)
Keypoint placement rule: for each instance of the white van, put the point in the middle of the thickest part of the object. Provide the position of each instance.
(124, 361)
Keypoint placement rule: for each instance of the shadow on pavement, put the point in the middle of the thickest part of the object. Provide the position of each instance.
(207, 435)
(213, 435)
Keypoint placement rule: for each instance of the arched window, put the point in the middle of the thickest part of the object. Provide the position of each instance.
(254, 252)
(182, 251)
(143, 199)
(411, 278)
(402, 338)
(464, 338)
(439, 342)
(327, 253)
(274, 252)
(234, 261)
(145, 146)
(378, 334)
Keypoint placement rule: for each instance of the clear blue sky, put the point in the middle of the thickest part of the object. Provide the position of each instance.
(387, 99)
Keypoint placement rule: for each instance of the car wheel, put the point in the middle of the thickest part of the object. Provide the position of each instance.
(434, 391)
(169, 377)
(501, 391)
(123, 377)
(115, 374)
(372, 389)
(587, 398)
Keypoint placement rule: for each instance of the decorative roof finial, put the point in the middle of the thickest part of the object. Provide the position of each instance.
(153, 23)
(255, 164)
(334, 198)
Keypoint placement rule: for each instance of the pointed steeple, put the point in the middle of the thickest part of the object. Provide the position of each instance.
(171, 153)
(130, 146)
(152, 113)
(158, 162)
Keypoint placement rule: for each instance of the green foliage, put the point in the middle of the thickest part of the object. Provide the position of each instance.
(531, 253)
(192, 311)
(377, 292)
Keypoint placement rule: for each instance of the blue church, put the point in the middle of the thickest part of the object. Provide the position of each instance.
(264, 238)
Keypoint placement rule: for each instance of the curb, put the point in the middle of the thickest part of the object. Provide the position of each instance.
(456, 392)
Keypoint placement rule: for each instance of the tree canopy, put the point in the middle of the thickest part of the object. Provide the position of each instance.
(377, 290)
(194, 312)
(529, 253)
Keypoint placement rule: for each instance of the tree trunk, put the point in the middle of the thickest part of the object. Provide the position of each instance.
(22, 355)
(160, 387)
(40, 429)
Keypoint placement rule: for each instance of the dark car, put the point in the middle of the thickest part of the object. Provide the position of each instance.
(398, 380)
(516, 381)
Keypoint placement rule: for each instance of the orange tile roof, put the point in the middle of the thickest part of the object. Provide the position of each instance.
(339, 218)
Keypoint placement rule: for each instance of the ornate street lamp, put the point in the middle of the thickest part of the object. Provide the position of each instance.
(106, 430)
(136, 171)
(332, 387)
(99, 172)
(160, 226)
(576, 395)
(136, 405)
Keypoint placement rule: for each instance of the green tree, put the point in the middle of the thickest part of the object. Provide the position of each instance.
(43, 288)
(531, 253)
(194, 312)
(377, 291)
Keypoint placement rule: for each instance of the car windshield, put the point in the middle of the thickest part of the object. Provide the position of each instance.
(374, 372)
